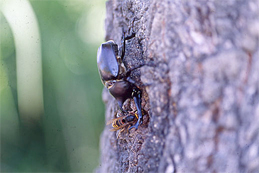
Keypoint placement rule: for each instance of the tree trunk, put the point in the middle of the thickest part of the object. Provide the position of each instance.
(202, 94)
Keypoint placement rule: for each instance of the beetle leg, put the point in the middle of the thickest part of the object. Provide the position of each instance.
(124, 41)
(129, 36)
(128, 71)
(137, 99)
(132, 82)
(131, 69)
(137, 85)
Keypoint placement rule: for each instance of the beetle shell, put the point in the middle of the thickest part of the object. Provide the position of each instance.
(121, 90)
(107, 61)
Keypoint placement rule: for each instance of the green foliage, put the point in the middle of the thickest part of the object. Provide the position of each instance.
(67, 138)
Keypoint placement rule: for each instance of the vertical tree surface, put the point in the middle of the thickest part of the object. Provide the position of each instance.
(201, 94)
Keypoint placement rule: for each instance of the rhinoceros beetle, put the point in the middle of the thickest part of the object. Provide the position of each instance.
(115, 76)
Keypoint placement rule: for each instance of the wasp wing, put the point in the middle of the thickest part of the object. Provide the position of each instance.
(115, 119)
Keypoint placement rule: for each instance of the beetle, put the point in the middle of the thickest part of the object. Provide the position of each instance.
(116, 77)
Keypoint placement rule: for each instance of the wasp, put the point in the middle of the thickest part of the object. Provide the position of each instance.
(123, 121)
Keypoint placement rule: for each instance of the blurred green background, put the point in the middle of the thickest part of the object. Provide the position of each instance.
(66, 136)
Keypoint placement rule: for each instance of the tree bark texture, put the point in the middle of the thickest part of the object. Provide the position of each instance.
(201, 94)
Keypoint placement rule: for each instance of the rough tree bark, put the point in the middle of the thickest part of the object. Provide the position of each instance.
(202, 95)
